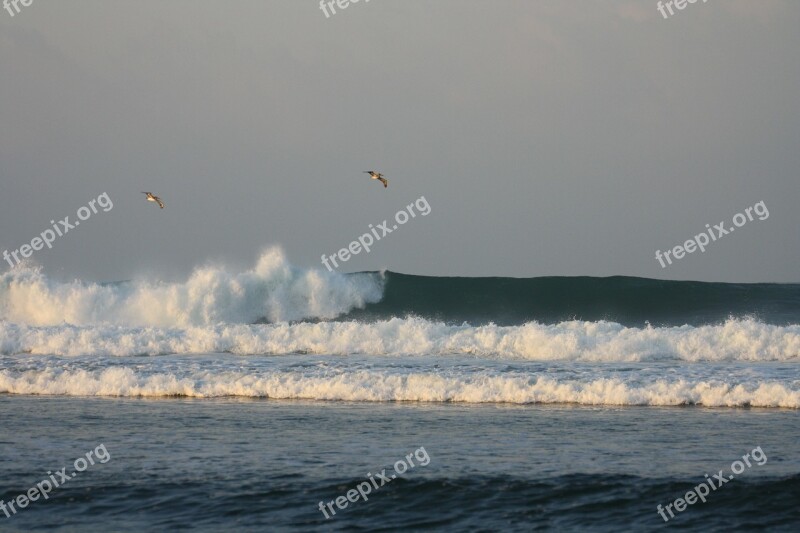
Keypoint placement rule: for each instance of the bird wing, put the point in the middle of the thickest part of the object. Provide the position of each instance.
(385, 182)
(160, 203)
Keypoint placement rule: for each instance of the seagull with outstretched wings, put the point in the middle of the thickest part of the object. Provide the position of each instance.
(153, 198)
(378, 176)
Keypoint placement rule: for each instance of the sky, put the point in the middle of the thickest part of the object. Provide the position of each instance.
(548, 137)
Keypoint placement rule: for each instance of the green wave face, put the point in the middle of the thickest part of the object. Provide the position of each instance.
(626, 300)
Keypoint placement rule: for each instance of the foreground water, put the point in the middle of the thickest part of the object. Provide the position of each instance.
(256, 465)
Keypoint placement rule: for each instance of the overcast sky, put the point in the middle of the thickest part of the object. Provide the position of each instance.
(549, 137)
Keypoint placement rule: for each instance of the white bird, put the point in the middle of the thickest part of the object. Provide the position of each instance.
(153, 198)
(377, 176)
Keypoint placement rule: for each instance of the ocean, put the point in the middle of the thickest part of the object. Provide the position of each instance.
(262, 400)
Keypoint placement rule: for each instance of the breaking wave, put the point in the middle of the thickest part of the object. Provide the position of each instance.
(381, 386)
(734, 340)
(393, 337)
(273, 291)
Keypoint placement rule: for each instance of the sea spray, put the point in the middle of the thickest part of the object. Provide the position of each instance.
(273, 290)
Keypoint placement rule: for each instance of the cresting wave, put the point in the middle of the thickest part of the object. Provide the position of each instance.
(735, 340)
(273, 291)
(380, 386)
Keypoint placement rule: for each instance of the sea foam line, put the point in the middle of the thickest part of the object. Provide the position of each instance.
(381, 386)
(735, 340)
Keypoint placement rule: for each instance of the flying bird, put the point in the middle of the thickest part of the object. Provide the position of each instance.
(153, 198)
(377, 176)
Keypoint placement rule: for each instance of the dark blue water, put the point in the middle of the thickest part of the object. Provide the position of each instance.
(264, 465)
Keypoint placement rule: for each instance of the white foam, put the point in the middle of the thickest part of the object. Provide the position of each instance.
(374, 386)
(273, 290)
(735, 340)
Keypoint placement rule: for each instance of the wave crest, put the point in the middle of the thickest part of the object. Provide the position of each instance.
(273, 290)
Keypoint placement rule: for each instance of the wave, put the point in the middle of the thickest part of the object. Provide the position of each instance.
(734, 340)
(626, 300)
(381, 386)
(272, 291)
(275, 291)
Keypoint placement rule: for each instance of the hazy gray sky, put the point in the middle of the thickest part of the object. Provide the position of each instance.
(549, 137)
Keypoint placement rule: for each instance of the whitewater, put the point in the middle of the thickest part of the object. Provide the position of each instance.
(282, 332)
(273, 290)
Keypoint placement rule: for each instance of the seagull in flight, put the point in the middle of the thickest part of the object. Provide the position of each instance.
(153, 198)
(377, 176)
